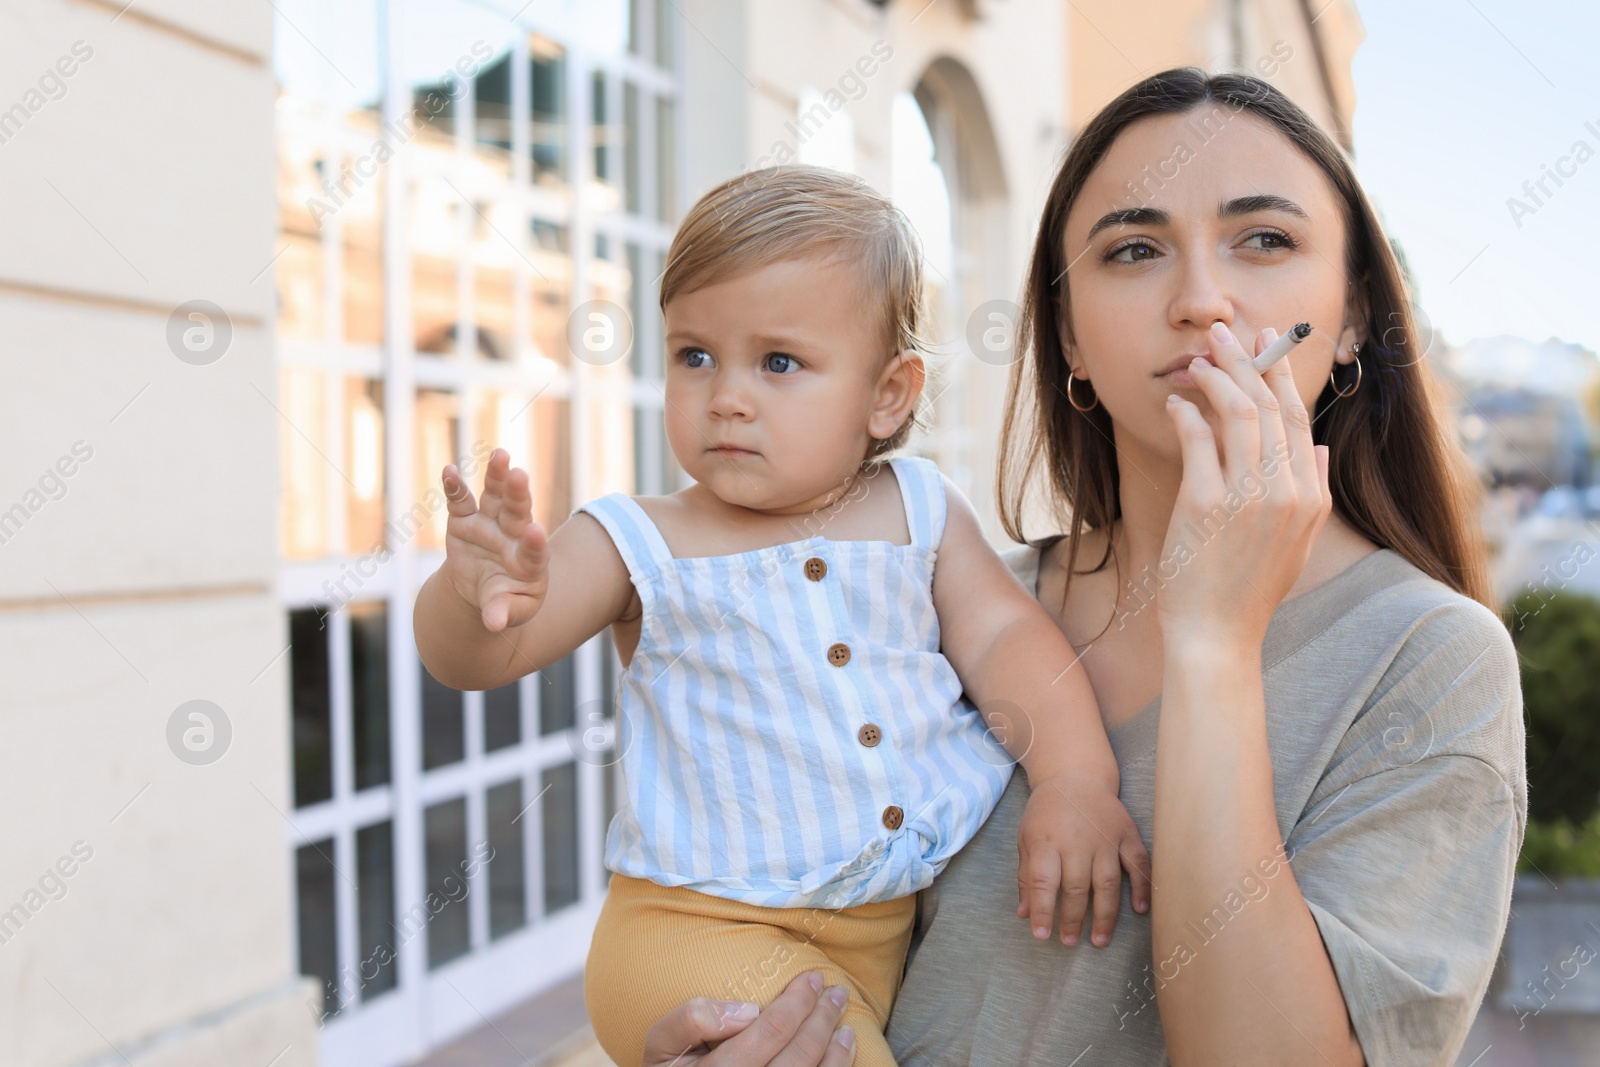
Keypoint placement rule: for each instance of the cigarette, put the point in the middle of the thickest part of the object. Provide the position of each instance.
(1281, 347)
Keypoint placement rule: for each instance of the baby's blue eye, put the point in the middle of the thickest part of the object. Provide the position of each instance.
(696, 357)
(778, 363)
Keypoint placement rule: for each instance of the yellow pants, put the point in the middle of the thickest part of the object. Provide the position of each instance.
(657, 946)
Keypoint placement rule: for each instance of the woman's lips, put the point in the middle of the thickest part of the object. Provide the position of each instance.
(1179, 377)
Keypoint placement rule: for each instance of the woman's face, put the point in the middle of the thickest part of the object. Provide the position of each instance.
(1190, 219)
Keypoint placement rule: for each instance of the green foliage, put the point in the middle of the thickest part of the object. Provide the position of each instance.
(1558, 640)
(1561, 850)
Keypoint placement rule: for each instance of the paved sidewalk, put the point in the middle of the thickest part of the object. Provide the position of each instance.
(551, 1031)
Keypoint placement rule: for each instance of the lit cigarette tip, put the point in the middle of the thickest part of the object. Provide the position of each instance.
(1301, 330)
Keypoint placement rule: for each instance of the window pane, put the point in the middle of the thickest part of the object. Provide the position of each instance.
(502, 717)
(550, 469)
(433, 230)
(508, 897)
(671, 474)
(369, 692)
(443, 723)
(559, 806)
(648, 441)
(642, 357)
(599, 133)
(610, 670)
(364, 466)
(303, 446)
(494, 265)
(375, 908)
(629, 134)
(610, 447)
(547, 140)
(326, 55)
(434, 425)
(314, 876)
(552, 291)
(557, 696)
(667, 19)
(308, 682)
(361, 221)
(492, 116)
(445, 827)
(301, 309)
(666, 162)
(610, 774)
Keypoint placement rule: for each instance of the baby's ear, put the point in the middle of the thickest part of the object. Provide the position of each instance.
(899, 385)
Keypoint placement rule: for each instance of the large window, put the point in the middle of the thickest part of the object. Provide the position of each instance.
(456, 179)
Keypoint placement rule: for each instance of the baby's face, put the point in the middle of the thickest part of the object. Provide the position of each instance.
(770, 383)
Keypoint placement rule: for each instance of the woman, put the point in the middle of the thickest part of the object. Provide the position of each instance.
(1328, 763)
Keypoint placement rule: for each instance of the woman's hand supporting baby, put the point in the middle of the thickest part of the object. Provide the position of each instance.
(795, 1030)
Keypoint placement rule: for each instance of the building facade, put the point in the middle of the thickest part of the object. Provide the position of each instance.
(283, 262)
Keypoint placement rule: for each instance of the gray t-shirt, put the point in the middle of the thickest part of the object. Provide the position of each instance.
(1394, 717)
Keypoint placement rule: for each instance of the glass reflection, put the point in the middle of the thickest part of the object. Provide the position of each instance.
(434, 234)
(547, 133)
(363, 401)
(302, 445)
(434, 423)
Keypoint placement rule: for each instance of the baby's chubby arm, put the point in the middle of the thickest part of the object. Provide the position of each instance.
(508, 600)
(1023, 674)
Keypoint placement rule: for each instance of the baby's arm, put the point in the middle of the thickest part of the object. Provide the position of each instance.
(508, 601)
(1024, 676)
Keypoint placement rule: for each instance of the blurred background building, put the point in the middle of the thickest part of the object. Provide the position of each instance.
(333, 247)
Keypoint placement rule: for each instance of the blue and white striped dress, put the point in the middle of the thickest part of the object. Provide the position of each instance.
(755, 766)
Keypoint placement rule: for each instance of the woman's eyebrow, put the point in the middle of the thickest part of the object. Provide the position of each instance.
(1133, 216)
(1246, 205)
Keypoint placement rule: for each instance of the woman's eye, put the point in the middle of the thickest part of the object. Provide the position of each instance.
(696, 357)
(778, 363)
(1271, 240)
(1138, 252)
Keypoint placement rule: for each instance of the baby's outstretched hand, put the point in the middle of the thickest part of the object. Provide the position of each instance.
(496, 556)
(1074, 841)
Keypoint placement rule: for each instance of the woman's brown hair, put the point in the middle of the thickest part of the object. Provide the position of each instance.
(1395, 471)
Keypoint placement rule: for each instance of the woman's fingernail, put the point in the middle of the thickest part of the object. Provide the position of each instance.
(1100, 940)
(838, 996)
(739, 1011)
(815, 979)
(1041, 931)
(845, 1038)
(1220, 331)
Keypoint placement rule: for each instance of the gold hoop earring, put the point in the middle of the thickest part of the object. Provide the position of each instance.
(1355, 350)
(1070, 379)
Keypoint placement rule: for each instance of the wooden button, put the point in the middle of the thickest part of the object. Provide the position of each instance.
(838, 654)
(869, 735)
(893, 817)
(816, 568)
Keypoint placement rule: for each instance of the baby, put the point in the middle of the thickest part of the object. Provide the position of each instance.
(798, 628)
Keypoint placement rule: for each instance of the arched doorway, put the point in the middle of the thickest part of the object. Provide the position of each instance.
(957, 195)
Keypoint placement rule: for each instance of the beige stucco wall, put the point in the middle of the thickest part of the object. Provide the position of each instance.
(1113, 44)
(144, 578)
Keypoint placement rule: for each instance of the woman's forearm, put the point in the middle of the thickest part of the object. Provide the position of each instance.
(1242, 975)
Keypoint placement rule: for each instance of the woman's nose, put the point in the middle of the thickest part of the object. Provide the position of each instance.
(1202, 297)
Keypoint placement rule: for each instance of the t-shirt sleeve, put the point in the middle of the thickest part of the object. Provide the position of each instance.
(1407, 850)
